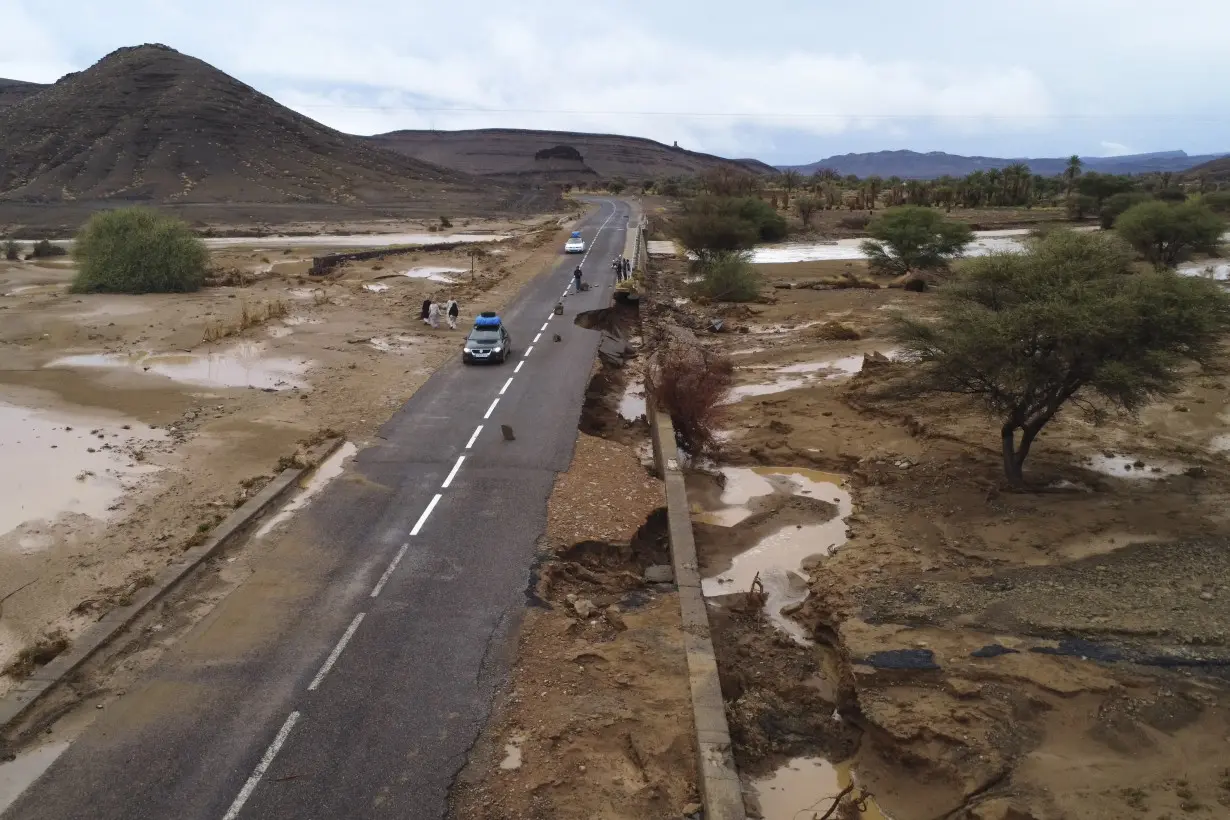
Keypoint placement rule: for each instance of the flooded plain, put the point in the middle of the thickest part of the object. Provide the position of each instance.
(58, 462)
(243, 365)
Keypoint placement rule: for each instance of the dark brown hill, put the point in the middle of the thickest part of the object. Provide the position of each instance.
(149, 124)
(14, 91)
(1217, 171)
(505, 152)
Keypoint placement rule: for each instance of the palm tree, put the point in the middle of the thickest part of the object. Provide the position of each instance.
(874, 185)
(1072, 171)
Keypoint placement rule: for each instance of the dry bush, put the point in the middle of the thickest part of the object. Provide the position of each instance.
(249, 316)
(690, 383)
(855, 221)
(37, 655)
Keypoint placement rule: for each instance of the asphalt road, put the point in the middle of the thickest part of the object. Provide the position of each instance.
(352, 673)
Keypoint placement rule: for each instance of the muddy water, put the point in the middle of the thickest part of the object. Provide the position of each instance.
(1130, 466)
(328, 470)
(1216, 269)
(57, 462)
(435, 274)
(363, 240)
(984, 242)
(632, 405)
(777, 560)
(794, 376)
(805, 787)
(244, 365)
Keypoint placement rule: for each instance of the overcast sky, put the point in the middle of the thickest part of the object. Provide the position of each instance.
(786, 81)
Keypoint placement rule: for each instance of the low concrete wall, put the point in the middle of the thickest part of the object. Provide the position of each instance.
(20, 700)
(720, 787)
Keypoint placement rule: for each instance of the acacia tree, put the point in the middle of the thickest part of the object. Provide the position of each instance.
(1164, 232)
(913, 238)
(806, 206)
(790, 180)
(1065, 322)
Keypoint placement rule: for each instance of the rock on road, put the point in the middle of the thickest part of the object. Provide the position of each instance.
(350, 675)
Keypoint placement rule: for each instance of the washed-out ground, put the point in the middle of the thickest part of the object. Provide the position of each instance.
(596, 719)
(131, 425)
(957, 648)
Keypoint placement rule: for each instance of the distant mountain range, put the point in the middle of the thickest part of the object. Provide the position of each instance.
(933, 164)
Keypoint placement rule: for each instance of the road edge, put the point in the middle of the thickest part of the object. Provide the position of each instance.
(720, 787)
(17, 702)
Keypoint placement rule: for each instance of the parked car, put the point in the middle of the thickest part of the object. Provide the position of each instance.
(575, 243)
(489, 341)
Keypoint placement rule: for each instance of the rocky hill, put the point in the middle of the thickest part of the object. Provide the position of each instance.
(14, 91)
(933, 164)
(504, 153)
(1216, 171)
(148, 124)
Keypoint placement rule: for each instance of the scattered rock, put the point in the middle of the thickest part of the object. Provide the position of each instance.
(614, 618)
(584, 607)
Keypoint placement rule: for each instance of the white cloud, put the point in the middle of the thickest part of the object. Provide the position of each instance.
(1115, 149)
(726, 79)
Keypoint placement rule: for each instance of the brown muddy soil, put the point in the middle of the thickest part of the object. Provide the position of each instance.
(1057, 653)
(133, 453)
(596, 718)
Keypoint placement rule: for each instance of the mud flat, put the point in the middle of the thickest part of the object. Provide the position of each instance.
(969, 651)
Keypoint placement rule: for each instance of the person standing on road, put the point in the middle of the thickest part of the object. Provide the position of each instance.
(453, 312)
(433, 316)
(576, 280)
(426, 311)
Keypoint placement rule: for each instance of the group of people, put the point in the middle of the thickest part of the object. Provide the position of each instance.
(432, 310)
(622, 268)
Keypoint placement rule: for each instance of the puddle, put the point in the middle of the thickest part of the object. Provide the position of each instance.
(328, 470)
(20, 773)
(633, 404)
(1129, 466)
(773, 330)
(241, 366)
(778, 558)
(1216, 269)
(848, 249)
(795, 376)
(375, 288)
(512, 754)
(393, 344)
(435, 274)
(805, 788)
(59, 462)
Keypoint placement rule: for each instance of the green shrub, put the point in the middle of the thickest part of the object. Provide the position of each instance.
(43, 249)
(729, 277)
(138, 250)
(1217, 201)
(445, 222)
(1118, 203)
(1171, 195)
(12, 251)
(1166, 233)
